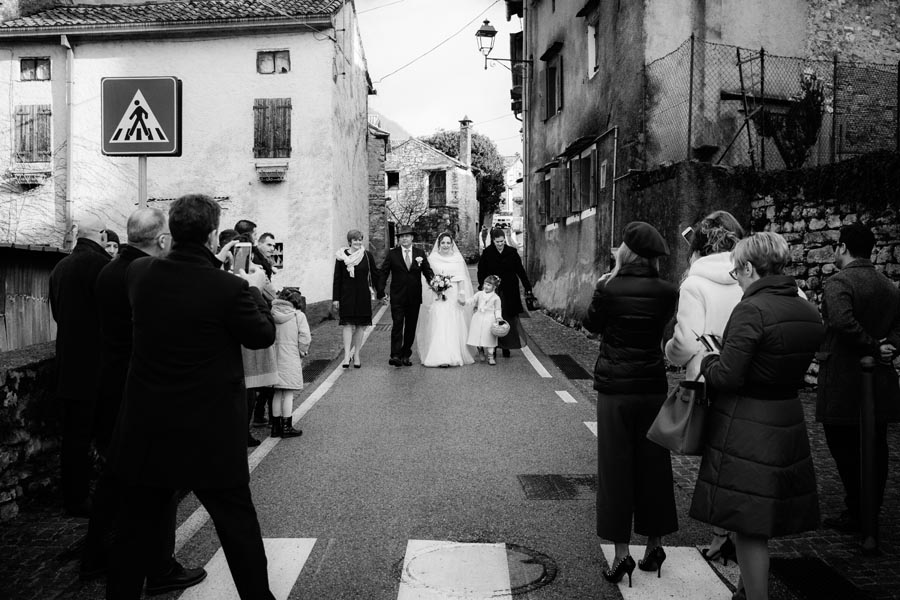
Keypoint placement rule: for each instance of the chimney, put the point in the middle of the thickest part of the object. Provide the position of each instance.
(465, 141)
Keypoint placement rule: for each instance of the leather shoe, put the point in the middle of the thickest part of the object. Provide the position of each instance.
(406, 362)
(394, 362)
(178, 578)
(252, 442)
(505, 352)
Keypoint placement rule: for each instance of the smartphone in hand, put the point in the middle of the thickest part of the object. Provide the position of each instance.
(242, 252)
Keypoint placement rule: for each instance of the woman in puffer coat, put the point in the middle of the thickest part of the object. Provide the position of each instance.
(756, 476)
(630, 308)
(706, 298)
(292, 339)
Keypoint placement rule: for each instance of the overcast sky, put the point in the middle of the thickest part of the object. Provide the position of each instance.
(438, 90)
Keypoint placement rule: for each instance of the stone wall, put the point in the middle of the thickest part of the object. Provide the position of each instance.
(377, 150)
(856, 30)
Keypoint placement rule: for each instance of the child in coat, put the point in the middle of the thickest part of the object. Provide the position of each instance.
(487, 312)
(292, 338)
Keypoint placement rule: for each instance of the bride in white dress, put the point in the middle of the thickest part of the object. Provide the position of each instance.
(443, 323)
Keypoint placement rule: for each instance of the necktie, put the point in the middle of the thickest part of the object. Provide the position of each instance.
(407, 258)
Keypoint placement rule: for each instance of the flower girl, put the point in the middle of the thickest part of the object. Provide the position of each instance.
(487, 312)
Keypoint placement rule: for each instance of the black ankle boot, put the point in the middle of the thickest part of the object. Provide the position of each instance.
(287, 428)
(277, 427)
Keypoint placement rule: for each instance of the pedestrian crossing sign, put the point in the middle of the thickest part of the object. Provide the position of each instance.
(141, 116)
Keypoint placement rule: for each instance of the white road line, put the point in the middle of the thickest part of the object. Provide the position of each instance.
(438, 570)
(567, 397)
(592, 425)
(285, 557)
(535, 363)
(198, 518)
(685, 576)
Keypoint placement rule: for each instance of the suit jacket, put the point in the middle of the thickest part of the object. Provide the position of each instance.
(406, 284)
(860, 307)
(115, 338)
(183, 420)
(73, 303)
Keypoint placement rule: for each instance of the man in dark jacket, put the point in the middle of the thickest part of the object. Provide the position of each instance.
(74, 308)
(861, 308)
(148, 235)
(183, 420)
(405, 265)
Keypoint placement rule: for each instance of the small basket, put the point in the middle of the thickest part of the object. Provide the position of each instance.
(500, 328)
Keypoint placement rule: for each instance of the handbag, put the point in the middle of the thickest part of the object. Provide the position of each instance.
(500, 328)
(531, 302)
(680, 424)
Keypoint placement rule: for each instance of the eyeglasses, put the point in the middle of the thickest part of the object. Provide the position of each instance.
(733, 273)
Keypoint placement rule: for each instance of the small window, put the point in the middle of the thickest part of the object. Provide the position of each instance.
(35, 69)
(437, 188)
(393, 180)
(278, 255)
(553, 80)
(593, 44)
(276, 61)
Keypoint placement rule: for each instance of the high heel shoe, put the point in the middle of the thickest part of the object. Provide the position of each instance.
(619, 569)
(726, 551)
(346, 365)
(653, 561)
(356, 363)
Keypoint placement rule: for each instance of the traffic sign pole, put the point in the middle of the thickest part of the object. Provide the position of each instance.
(142, 181)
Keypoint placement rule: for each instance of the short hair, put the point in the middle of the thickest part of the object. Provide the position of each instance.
(227, 235)
(263, 237)
(767, 251)
(245, 226)
(718, 231)
(859, 240)
(354, 234)
(193, 217)
(292, 295)
(494, 280)
(144, 226)
(496, 232)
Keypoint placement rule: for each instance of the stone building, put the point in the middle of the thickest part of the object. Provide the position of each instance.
(609, 89)
(434, 192)
(378, 147)
(274, 102)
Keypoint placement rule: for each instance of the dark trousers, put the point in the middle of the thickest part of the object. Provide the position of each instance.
(634, 474)
(79, 426)
(403, 332)
(257, 401)
(236, 524)
(843, 442)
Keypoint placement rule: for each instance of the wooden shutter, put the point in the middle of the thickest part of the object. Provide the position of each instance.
(281, 134)
(559, 83)
(261, 127)
(553, 212)
(574, 204)
(32, 123)
(594, 190)
(586, 182)
(546, 198)
(272, 128)
(42, 137)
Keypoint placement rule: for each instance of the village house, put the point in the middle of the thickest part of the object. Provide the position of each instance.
(274, 98)
(434, 192)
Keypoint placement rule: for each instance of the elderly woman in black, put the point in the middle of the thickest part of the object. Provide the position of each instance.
(756, 477)
(630, 310)
(504, 262)
(352, 294)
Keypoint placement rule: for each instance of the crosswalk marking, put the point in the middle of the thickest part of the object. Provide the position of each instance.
(685, 576)
(285, 557)
(437, 570)
(592, 425)
(535, 363)
(567, 397)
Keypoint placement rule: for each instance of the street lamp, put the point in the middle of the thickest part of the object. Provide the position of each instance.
(484, 37)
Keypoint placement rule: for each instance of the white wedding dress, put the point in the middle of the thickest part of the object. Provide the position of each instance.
(444, 324)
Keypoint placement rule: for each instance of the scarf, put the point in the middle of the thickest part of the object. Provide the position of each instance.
(352, 259)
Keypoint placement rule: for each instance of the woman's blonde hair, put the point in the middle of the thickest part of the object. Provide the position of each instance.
(627, 256)
(767, 251)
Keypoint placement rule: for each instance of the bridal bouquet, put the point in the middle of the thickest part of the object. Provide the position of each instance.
(440, 284)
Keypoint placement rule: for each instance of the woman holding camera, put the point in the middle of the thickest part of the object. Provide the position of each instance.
(352, 293)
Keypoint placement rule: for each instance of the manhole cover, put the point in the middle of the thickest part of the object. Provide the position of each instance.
(569, 367)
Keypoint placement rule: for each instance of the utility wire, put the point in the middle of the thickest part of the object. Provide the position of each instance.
(423, 55)
(503, 116)
(377, 7)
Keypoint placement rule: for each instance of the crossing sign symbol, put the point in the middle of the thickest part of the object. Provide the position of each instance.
(141, 116)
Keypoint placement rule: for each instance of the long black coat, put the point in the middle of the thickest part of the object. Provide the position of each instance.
(73, 302)
(630, 311)
(508, 267)
(115, 337)
(860, 307)
(183, 421)
(353, 292)
(406, 284)
(756, 475)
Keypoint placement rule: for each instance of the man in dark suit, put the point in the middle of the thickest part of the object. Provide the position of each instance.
(405, 266)
(148, 235)
(183, 420)
(861, 309)
(74, 307)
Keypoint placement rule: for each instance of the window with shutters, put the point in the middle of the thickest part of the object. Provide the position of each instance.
(34, 69)
(587, 181)
(547, 197)
(437, 188)
(273, 61)
(553, 80)
(32, 143)
(272, 128)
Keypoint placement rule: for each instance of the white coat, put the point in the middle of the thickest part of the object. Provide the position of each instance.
(292, 336)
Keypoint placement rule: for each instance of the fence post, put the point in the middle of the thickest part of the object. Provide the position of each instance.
(690, 134)
(762, 107)
(834, 106)
(868, 511)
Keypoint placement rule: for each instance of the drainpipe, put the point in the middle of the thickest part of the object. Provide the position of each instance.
(70, 64)
(526, 136)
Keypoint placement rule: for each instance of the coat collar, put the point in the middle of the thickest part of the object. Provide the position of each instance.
(782, 285)
(859, 263)
(86, 245)
(193, 252)
(129, 252)
(638, 271)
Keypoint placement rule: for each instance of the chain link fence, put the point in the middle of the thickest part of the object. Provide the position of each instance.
(737, 106)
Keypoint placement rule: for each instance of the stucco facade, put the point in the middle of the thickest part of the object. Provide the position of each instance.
(324, 191)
